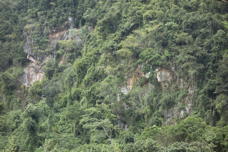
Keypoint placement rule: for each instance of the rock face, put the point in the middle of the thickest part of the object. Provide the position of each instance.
(71, 34)
(181, 109)
(170, 81)
(184, 107)
(125, 90)
(32, 73)
(137, 74)
(34, 70)
(28, 43)
(55, 37)
(32, 46)
(163, 75)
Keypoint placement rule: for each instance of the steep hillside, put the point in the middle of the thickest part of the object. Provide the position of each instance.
(113, 76)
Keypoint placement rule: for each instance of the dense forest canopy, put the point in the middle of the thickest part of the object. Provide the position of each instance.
(113, 76)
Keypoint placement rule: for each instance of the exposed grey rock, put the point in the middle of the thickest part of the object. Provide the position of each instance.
(147, 75)
(125, 90)
(71, 22)
(32, 73)
(163, 75)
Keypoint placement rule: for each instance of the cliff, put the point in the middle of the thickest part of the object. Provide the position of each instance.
(113, 76)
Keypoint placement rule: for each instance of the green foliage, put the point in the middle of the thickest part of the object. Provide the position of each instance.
(66, 44)
(190, 129)
(147, 145)
(98, 121)
(10, 36)
(50, 68)
(125, 53)
(186, 147)
(101, 92)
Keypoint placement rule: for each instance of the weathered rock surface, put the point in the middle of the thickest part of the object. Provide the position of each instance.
(132, 80)
(183, 108)
(32, 73)
(163, 75)
(34, 70)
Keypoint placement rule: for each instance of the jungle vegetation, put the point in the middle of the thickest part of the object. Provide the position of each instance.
(79, 106)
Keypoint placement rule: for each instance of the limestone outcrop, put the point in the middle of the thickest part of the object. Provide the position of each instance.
(34, 71)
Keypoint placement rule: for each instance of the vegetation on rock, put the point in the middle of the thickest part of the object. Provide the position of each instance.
(120, 76)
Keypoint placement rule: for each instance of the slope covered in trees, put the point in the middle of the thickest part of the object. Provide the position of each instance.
(113, 75)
